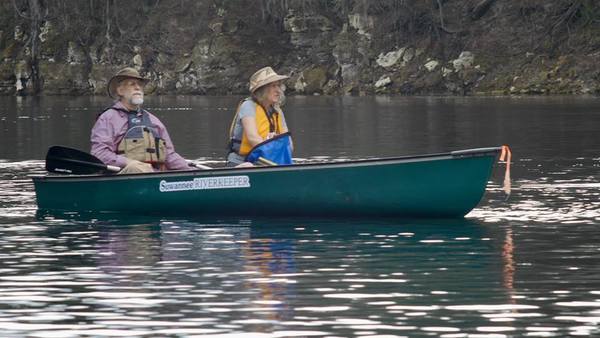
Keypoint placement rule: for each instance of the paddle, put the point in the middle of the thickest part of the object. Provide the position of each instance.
(73, 161)
(264, 161)
(198, 165)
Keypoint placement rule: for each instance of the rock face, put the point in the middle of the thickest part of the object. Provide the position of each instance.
(349, 47)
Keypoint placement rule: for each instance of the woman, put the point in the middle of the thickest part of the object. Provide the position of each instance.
(259, 117)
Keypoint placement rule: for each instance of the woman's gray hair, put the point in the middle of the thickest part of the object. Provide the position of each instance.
(260, 95)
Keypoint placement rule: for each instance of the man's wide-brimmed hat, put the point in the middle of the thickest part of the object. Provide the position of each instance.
(124, 73)
(264, 76)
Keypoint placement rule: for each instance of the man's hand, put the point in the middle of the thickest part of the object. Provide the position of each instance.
(137, 166)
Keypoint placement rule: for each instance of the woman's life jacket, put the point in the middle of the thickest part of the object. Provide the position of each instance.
(266, 122)
(141, 141)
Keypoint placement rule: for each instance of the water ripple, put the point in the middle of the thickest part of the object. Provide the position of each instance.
(526, 266)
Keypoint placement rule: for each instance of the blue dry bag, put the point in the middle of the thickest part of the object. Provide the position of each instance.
(277, 149)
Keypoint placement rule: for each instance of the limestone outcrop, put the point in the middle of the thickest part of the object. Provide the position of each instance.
(353, 47)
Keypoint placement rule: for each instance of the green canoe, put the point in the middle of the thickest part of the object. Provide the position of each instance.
(438, 185)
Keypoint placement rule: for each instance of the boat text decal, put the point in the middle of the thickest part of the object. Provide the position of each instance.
(205, 183)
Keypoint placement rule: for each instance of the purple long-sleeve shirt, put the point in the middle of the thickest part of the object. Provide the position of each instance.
(110, 129)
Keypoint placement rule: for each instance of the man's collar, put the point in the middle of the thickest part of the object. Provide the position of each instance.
(120, 107)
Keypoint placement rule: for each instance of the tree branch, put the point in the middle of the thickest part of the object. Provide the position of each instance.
(481, 8)
(442, 25)
(14, 2)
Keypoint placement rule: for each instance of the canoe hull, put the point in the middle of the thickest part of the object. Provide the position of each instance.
(443, 185)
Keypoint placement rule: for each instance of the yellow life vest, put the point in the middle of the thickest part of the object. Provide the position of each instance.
(265, 123)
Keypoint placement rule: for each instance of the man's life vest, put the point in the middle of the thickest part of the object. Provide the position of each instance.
(266, 122)
(141, 141)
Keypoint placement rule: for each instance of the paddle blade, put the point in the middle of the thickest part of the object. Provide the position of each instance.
(72, 161)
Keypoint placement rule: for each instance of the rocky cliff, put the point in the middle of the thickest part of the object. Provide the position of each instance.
(335, 47)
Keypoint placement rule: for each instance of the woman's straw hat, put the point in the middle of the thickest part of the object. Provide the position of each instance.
(264, 76)
(124, 73)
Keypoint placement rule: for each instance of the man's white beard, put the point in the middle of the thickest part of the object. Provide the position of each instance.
(136, 100)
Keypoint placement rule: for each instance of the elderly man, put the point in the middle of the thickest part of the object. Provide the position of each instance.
(129, 137)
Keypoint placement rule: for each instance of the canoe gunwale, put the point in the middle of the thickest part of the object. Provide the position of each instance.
(475, 152)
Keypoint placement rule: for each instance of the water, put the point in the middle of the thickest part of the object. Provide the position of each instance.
(522, 266)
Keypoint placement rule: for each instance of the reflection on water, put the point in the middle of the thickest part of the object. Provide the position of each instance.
(550, 191)
(282, 278)
(349, 127)
(522, 266)
(18, 197)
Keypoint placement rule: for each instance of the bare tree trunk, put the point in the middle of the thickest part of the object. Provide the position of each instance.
(440, 9)
(107, 18)
(35, 17)
(440, 4)
(35, 21)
